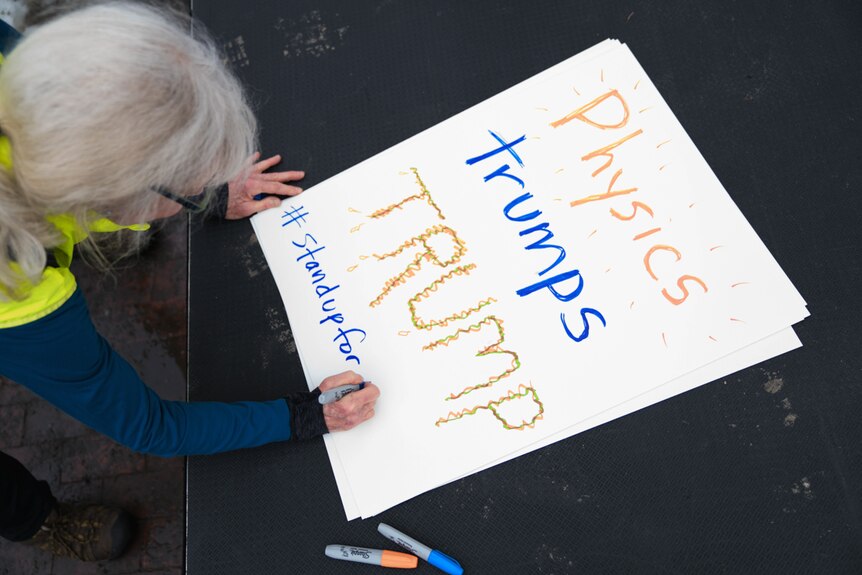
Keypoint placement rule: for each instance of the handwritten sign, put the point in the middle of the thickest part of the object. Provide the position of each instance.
(539, 261)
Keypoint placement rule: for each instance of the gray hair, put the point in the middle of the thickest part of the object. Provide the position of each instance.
(101, 105)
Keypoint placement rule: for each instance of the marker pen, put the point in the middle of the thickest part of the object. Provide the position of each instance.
(337, 393)
(382, 557)
(436, 558)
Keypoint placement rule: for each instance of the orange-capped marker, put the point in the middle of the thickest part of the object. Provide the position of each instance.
(398, 560)
(382, 557)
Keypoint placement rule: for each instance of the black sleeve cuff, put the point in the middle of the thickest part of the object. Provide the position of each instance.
(306, 415)
(219, 201)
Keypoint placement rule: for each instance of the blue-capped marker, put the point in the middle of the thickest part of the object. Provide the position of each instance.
(436, 558)
(337, 393)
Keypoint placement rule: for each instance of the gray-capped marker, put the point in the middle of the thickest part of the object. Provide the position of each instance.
(337, 393)
(382, 557)
(436, 558)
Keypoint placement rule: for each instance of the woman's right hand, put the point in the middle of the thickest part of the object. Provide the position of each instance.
(353, 408)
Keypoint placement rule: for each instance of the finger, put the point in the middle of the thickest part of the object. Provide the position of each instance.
(271, 203)
(346, 377)
(368, 394)
(356, 401)
(343, 378)
(256, 188)
(267, 163)
(277, 188)
(252, 159)
(290, 176)
(363, 415)
(249, 208)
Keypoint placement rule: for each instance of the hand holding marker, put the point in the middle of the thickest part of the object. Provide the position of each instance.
(343, 409)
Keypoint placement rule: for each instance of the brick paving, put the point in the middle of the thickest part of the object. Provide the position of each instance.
(142, 312)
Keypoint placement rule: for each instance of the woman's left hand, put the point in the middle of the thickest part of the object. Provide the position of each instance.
(241, 202)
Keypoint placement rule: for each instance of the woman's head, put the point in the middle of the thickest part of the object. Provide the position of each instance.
(105, 103)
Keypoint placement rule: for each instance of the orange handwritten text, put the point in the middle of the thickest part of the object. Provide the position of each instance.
(422, 252)
(613, 110)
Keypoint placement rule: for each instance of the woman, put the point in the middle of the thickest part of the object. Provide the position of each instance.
(112, 117)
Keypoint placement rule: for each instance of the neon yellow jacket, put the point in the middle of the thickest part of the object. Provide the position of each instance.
(57, 284)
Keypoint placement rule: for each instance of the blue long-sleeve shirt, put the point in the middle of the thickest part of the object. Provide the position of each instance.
(62, 358)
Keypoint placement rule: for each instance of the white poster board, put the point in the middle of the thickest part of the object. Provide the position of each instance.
(546, 260)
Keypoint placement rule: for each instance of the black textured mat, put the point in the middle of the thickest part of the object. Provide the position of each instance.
(758, 473)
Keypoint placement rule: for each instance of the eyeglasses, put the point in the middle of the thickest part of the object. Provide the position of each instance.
(193, 204)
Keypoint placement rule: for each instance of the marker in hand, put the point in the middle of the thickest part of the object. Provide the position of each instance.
(337, 393)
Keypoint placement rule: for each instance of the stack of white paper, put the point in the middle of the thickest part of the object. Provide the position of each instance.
(553, 258)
